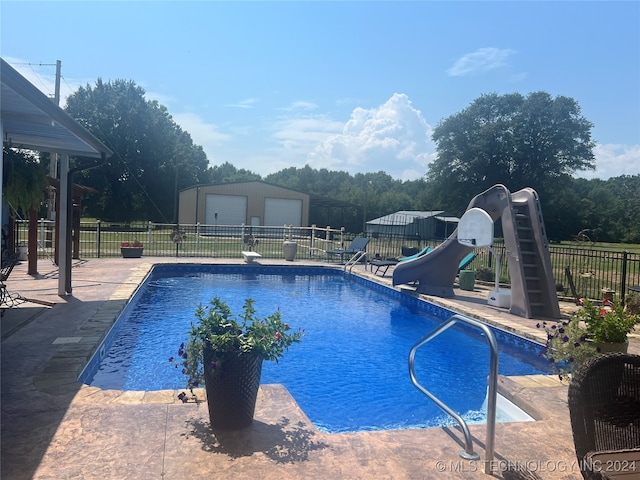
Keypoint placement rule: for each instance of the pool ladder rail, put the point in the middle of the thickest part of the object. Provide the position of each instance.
(467, 453)
(353, 260)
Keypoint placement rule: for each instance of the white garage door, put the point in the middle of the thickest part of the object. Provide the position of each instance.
(282, 211)
(225, 210)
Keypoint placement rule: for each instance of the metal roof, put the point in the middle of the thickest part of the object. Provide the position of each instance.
(31, 120)
(405, 217)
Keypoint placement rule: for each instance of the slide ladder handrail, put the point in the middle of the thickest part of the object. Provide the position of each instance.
(468, 452)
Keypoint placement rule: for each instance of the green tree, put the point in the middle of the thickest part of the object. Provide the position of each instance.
(561, 209)
(608, 208)
(510, 139)
(153, 156)
(627, 190)
(226, 173)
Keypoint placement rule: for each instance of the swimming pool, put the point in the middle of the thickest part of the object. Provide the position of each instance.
(350, 371)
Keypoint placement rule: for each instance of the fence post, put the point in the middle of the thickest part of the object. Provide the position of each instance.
(41, 226)
(312, 241)
(149, 233)
(98, 233)
(623, 284)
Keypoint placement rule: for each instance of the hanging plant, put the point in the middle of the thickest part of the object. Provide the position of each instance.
(24, 179)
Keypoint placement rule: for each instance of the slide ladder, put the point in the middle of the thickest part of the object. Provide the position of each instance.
(533, 290)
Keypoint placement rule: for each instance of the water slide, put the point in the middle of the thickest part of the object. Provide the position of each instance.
(533, 292)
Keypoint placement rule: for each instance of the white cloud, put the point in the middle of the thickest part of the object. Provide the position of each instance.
(614, 160)
(300, 105)
(303, 134)
(393, 137)
(480, 61)
(246, 103)
(202, 133)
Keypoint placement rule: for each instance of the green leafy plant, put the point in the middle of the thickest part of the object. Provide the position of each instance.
(220, 331)
(24, 180)
(485, 274)
(571, 342)
(608, 324)
(567, 345)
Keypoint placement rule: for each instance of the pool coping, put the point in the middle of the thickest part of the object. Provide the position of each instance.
(59, 376)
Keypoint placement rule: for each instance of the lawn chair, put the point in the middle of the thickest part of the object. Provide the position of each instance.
(7, 266)
(392, 261)
(382, 264)
(464, 263)
(604, 407)
(358, 244)
(422, 252)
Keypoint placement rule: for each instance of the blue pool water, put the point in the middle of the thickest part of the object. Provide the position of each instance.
(350, 371)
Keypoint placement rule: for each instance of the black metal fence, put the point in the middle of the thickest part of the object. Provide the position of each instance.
(578, 270)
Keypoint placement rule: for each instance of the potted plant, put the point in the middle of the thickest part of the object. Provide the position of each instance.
(226, 353)
(131, 249)
(609, 325)
(567, 345)
(590, 331)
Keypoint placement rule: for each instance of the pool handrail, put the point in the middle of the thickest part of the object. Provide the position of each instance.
(359, 255)
(468, 452)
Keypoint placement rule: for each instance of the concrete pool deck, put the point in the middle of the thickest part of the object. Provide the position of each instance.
(52, 427)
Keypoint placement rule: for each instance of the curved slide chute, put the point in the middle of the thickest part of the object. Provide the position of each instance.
(532, 284)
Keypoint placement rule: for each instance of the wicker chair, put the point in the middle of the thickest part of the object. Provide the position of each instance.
(604, 406)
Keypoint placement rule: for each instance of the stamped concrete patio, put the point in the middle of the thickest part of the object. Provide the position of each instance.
(55, 428)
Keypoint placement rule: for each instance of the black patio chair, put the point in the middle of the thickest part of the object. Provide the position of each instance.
(358, 244)
(604, 407)
(8, 263)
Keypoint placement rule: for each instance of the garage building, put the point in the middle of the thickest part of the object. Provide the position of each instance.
(254, 203)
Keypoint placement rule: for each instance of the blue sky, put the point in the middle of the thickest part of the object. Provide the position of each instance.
(352, 86)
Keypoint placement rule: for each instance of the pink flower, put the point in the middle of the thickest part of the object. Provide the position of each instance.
(278, 336)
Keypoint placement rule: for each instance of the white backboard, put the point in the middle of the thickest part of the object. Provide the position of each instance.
(475, 228)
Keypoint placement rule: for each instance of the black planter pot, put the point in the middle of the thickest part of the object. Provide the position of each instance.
(232, 389)
(131, 252)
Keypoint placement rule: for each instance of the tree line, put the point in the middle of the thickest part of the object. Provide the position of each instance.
(520, 141)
